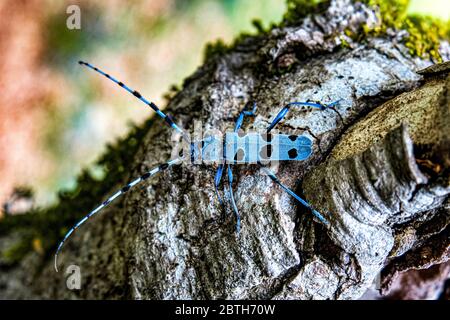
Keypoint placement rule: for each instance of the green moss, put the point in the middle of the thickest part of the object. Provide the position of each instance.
(258, 25)
(219, 47)
(213, 49)
(344, 42)
(424, 37)
(50, 225)
(424, 33)
(392, 13)
(173, 90)
(15, 253)
(299, 9)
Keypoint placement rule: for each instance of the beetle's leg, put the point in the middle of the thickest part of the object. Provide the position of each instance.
(240, 119)
(285, 109)
(217, 180)
(293, 194)
(120, 192)
(218, 177)
(233, 203)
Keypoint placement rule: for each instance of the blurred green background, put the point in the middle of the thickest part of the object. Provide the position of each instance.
(56, 117)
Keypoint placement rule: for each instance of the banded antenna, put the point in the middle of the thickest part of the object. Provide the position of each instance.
(168, 119)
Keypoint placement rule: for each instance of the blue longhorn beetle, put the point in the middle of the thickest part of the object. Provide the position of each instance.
(235, 148)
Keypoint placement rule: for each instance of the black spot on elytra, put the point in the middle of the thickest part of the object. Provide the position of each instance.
(292, 153)
(121, 84)
(125, 189)
(267, 137)
(293, 137)
(136, 94)
(239, 156)
(266, 151)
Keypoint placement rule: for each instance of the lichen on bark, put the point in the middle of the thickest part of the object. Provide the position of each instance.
(376, 179)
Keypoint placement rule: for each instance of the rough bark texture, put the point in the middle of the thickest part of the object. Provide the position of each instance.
(170, 238)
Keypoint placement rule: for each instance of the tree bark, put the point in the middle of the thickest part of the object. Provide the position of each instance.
(379, 171)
